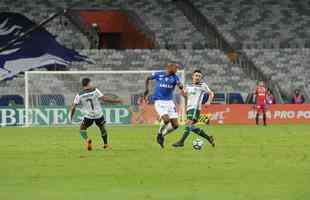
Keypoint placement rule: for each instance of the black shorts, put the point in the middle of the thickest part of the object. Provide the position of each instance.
(87, 122)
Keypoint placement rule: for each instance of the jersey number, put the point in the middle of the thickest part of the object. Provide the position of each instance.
(91, 103)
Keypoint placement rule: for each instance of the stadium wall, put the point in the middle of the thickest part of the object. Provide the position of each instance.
(245, 114)
(116, 21)
(145, 114)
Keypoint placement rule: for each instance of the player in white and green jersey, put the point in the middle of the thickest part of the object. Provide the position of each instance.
(194, 94)
(90, 100)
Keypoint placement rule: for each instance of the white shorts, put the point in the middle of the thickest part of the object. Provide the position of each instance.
(166, 107)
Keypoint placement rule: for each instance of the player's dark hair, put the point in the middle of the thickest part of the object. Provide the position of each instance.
(197, 71)
(85, 82)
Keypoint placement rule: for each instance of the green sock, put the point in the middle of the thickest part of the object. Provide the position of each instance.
(104, 134)
(83, 134)
(200, 132)
(185, 134)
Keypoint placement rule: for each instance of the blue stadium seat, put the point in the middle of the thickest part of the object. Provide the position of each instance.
(235, 98)
(9, 100)
(219, 98)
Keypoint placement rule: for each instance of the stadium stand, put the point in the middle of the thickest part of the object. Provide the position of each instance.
(37, 11)
(260, 24)
(221, 75)
(10, 100)
(263, 27)
(171, 27)
(289, 67)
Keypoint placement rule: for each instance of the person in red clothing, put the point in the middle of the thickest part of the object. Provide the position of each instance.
(260, 102)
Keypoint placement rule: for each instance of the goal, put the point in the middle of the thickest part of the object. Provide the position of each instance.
(49, 95)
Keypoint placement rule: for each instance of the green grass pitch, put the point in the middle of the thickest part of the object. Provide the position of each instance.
(248, 163)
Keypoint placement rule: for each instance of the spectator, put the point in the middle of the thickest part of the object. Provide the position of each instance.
(298, 98)
(270, 97)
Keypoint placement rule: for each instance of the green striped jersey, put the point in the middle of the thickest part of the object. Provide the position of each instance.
(195, 94)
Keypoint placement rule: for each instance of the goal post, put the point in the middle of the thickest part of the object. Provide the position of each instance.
(49, 95)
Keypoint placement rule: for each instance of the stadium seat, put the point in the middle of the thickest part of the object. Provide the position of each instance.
(219, 73)
(11, 100)
(289, 67)
(219, 98)
(259, 24)
(235, 98)
(36, 10)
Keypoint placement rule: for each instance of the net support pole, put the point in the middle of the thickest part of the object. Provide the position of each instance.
(26, 124)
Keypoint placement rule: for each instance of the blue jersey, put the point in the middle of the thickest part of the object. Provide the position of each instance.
(164, 85)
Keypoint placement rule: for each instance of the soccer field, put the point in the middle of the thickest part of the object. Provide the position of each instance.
(248, 163)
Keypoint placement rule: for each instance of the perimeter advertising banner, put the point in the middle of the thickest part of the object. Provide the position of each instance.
(58, 116)
(145, 114)
(238, 114)
(245, 114)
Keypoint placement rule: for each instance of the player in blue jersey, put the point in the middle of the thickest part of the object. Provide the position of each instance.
(165, 82)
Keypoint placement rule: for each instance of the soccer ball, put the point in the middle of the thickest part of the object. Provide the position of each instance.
(197, 144)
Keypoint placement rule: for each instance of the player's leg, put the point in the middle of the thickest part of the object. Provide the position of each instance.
(173, 116)
(203, 134)
(186, 133)
(83, 132)
(264, 116)
(192, 117)
(161, 109)
(172, 126)
(165, 120)
(261, 110)
(100, 122)
(258, 111)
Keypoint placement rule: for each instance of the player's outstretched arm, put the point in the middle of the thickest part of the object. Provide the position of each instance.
(147, 86)
(72, 111)
(182, 90)
(211, 96)
(180, 86)
(76, 101)
(183, 93)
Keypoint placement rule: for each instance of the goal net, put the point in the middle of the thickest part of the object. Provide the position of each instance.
(49, 95)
